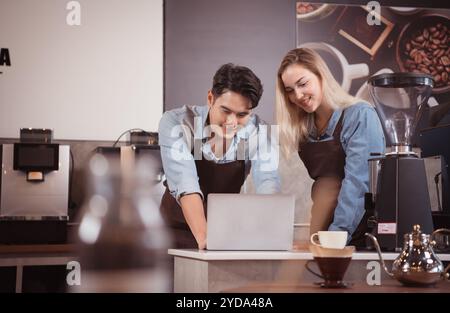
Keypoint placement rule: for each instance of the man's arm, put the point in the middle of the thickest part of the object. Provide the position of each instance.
(192, 206)
(181, 173)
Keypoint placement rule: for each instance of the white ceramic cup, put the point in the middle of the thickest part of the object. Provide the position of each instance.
(330, 239)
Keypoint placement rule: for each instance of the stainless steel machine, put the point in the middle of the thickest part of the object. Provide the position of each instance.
(398, 195)
(34, 192)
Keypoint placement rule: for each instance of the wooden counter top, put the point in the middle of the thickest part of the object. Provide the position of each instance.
(391, 286)
(37, 249)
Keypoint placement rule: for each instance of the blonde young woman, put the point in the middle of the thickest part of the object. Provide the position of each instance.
(334, 134)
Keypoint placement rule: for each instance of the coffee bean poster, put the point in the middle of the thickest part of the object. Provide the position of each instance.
(360, 41)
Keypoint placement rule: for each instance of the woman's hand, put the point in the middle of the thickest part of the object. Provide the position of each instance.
(202, 244)
(300, 245)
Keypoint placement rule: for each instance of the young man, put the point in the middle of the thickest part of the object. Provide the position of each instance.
(211, 149)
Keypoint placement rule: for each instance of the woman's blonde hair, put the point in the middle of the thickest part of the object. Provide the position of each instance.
(294, 122)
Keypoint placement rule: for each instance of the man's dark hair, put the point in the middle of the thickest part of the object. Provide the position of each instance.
(239, 79)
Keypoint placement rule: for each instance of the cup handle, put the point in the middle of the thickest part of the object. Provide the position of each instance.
(313, 241)
(358, 70)
(310, 270)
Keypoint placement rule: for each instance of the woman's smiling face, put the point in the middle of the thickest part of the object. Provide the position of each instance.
(302, 87)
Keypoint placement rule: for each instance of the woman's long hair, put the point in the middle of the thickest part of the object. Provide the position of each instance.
(295, 123)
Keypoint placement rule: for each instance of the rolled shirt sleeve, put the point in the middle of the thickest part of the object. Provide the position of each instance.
(265, 159)
(361, 135)
(178, 162)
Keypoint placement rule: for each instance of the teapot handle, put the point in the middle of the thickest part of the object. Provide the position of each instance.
(440, 230)
(310, 270)
(446, 274)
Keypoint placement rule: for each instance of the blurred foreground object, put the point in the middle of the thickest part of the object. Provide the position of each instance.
(123, 241)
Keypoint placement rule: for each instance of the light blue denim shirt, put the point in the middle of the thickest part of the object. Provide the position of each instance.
(180, 128)
(361, 135)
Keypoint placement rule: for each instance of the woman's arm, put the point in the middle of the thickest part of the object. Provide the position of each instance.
(361, 135)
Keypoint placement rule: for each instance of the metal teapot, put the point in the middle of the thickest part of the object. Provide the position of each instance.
(417, 264)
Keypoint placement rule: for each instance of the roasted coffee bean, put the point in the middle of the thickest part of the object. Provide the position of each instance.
(305, 7)
(436, 41)
(437, 78)
(445, 60)
(418, 58)
(415, 44)
(444, 77)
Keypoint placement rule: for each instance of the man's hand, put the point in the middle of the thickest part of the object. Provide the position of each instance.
(192, 206)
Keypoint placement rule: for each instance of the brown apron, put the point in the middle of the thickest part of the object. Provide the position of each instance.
(213, 178)
(325, 162)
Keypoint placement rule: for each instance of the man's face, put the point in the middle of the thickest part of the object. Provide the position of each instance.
(228, 113)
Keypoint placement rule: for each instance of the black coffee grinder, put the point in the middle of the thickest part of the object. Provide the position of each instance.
(398, 190)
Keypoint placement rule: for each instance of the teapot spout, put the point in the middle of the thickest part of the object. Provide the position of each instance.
(377, 246)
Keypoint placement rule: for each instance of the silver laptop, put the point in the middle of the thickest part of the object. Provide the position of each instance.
(250, 222)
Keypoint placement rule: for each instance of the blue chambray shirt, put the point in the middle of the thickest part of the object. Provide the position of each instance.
(361, 135)
(176, 134)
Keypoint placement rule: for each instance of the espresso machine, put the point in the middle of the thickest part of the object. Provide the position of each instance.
(398, 195)
(434, 141)
(34, 189)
